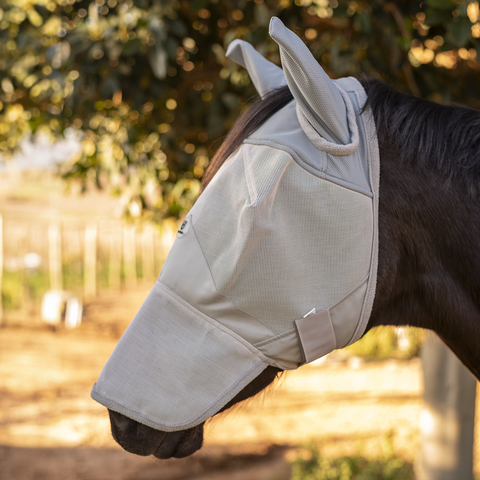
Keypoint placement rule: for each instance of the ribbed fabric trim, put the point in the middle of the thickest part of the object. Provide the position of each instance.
(374, 173)
(324, 145)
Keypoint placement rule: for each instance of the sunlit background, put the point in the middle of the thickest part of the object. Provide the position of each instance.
(110, 112)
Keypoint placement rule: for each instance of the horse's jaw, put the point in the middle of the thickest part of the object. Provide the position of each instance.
(142, 440)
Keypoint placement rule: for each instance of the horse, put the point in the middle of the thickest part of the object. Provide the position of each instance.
(428, 235)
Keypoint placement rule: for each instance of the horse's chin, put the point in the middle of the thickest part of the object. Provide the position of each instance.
(143, 440)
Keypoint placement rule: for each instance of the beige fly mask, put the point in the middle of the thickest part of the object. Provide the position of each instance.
(276, 262)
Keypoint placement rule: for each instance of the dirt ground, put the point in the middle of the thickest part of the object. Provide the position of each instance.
(50, 428)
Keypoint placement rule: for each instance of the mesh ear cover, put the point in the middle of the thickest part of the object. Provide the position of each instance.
(265, 75)
(316, 94)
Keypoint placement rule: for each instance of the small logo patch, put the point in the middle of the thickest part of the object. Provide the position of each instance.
(184, 227)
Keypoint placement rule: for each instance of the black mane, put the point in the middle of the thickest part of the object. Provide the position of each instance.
(445, 138)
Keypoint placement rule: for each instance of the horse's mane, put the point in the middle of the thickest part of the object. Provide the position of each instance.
(252, 119)
(432, 136)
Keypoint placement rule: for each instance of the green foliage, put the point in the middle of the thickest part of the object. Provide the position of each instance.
(385, 342)
(21, 285)
(12, 291)
(313, 466)
(37, 283)
(148, 84)
(72, 275)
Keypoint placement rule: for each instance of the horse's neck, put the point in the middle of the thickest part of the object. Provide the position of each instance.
(429, 257)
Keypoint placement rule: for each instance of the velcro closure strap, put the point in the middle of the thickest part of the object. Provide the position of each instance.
(316, 335)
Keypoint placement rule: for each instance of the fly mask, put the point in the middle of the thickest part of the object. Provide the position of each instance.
(276, 262)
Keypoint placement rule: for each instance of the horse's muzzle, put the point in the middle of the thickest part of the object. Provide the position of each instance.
(143, 440)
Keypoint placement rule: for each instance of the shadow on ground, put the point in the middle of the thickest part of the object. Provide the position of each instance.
(79, 463)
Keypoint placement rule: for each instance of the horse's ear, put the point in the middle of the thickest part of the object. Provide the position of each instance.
(265, 75)
(315, 92)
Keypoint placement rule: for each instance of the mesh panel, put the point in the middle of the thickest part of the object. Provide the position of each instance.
(287, 241)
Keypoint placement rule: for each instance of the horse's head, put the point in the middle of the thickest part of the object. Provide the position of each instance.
(274, 266)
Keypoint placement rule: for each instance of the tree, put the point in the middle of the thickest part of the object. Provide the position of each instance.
(148, 85)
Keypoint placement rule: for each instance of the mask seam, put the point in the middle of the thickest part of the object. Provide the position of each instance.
(215, 285)
(316, 173)
(274, 338)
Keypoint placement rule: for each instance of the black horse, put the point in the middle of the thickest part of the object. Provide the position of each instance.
(429, 235)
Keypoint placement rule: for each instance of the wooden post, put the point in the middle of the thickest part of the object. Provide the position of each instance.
(129, 256)
(90, 261)
(168, 234)
(115, 258)
(1, 267)
(55, 257)
(148, 259)
(447, 419)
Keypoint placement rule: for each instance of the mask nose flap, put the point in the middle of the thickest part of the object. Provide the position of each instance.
(265, 75)
(316, 94)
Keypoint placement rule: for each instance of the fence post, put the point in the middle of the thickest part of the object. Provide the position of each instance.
(129, 256)
(55, 257)
(1, 267)
(115, 259)
(148, 259)
(90, 261)
(447, 419)
(168, 234)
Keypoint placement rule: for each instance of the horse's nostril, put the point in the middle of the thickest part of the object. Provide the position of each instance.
(181, 443)
(118, 422)
(133, 436)
(192, 442)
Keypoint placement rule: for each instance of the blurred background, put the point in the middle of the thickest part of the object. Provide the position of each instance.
(110, 112)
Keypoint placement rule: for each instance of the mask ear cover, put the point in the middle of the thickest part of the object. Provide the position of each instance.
(265, 75)
(316, 94)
